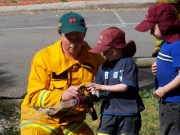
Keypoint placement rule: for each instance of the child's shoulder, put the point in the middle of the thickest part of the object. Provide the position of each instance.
(127, 60)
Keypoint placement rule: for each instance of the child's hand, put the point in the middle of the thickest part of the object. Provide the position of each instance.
(154, 68)
(160, 92)
(93, 88)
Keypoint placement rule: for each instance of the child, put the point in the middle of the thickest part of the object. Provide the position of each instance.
(162, 20)
(176, 4)
(117, 77)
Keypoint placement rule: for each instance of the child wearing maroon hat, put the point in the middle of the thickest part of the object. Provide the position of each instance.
(162, 20)
(176, 4)
(117, 80)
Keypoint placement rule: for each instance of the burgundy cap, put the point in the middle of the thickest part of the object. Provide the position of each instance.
(114, 37)
(157, 13)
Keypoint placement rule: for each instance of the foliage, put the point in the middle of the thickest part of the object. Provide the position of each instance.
(63, 0)
(14, 1)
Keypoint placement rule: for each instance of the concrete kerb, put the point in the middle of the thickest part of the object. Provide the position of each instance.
(144, 62)
(117, 5)
(79, 5)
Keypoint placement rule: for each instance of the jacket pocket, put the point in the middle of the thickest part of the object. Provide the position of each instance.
(58, 84)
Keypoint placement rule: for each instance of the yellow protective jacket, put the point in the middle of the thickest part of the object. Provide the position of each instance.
(51, 74)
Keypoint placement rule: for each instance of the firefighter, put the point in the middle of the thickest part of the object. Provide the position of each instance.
(57, 72)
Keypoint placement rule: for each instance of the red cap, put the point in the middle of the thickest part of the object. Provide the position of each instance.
(114, 37)
(160, 13)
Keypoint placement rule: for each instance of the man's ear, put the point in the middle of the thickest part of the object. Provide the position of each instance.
(59, 31)
(85, 32)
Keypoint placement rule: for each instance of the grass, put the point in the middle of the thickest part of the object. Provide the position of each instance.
(150, 119)
(9, 116)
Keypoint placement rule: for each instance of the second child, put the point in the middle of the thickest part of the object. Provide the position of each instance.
(162, 21)
(117, 78)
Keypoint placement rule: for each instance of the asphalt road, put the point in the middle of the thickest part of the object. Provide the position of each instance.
(23, 34)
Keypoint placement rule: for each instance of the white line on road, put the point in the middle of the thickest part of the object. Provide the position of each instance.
(96, 25)
(119, 18)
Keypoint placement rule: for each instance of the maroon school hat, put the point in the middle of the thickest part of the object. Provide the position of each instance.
(162, 13)
(114, 37)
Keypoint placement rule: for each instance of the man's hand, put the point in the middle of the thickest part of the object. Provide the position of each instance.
(70, 93)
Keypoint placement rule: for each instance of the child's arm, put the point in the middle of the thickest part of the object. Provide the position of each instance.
(114, 88)
(161, 91)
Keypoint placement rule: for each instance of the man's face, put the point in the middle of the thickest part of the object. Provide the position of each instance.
(72, 42)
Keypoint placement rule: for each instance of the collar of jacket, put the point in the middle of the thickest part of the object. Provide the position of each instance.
(62, 62)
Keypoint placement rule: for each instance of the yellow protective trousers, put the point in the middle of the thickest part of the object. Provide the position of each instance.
(73, 129)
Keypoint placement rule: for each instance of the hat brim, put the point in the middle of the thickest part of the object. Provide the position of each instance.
(69, 29)
(144, 26)
(98, 48)
(129, 49)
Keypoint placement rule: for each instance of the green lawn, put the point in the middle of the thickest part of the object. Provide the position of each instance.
(9, 116)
